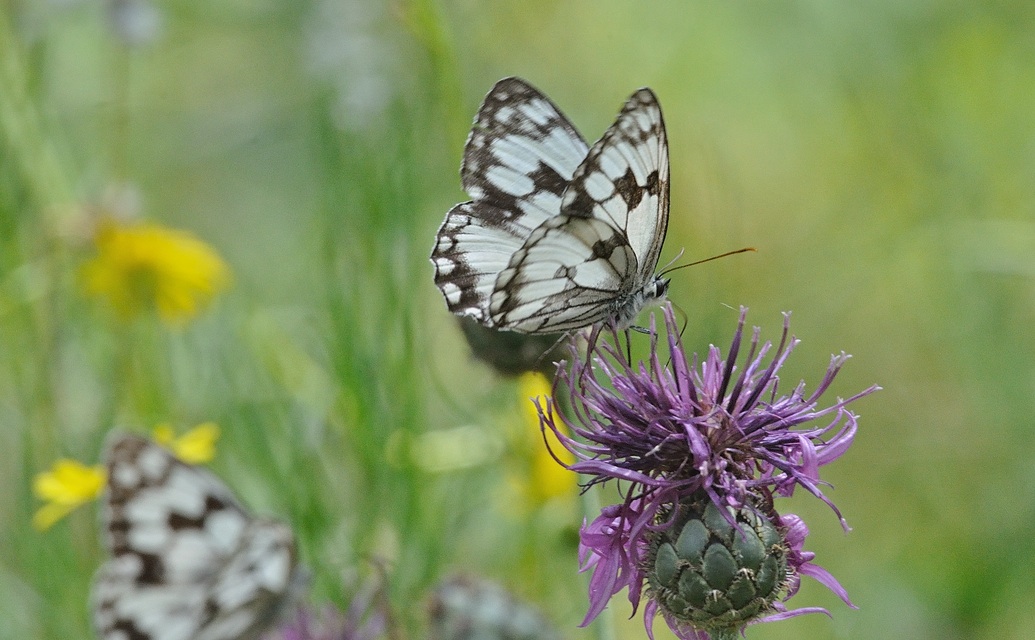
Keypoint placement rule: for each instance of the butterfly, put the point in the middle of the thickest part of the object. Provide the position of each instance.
(464, 606)
(187, 561)
(557, 236)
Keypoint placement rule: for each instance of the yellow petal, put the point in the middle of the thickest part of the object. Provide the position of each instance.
(70, 482)
(533, 385)
(546, 478)
(48, 515)
(196, 446)
(549, 479)
(199, 444)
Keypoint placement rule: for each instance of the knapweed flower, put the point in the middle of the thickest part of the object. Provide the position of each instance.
(196, 446)
(143, 266)
(67, 485)
(703, 447)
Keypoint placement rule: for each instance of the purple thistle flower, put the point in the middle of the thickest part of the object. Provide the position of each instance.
(688, 429)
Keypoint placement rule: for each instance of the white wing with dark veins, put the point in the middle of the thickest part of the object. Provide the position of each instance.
(556, 237)
(594, 261)
(519, 159)
(188, 562)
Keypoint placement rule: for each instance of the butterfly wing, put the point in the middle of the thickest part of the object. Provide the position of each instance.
(589, 263)
(251, 589)
(184, 563)
(518, 161)
(625, 180)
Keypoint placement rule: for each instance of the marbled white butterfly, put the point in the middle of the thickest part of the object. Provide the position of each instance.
(188, 562)
(557, 236)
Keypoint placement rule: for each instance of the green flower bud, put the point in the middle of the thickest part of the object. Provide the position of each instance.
(708, 573)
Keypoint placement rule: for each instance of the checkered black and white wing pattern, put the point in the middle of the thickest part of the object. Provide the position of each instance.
(519, 159)
(187, 561)
(595, 261)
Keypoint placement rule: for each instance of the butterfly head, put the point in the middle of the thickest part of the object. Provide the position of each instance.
(624, 310)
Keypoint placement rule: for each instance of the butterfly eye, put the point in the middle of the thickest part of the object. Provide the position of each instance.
(661, 287)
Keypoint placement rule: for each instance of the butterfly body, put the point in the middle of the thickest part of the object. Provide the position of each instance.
(558, 235)
(188, 562)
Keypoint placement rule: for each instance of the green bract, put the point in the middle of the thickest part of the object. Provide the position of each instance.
(705, 572)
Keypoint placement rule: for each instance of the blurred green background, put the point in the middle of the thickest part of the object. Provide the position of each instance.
(880, 156)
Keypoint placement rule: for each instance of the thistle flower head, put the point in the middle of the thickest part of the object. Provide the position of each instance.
(688, 431)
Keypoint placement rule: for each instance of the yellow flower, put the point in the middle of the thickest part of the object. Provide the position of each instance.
(67, 485)
(546, 479)
(143, 266)
(197, 446)
(71, 483)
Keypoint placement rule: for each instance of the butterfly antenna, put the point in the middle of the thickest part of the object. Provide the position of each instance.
(671, 262)
(721, 255)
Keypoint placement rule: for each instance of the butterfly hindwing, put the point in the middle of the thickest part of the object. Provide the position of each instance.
(188, 562)
(564, 277)
(518, 160)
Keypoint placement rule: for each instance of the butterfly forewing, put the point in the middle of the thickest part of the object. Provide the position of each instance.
(188, 562)
(519, 158)
(624, 180)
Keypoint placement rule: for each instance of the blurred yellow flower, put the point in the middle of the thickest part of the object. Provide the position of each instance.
(68, 484)
(546, 479)
(142, 266)
(197, 446)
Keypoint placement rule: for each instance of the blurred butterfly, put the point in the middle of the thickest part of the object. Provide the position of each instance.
(187, 561)
(557, 236)
(467, 607)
